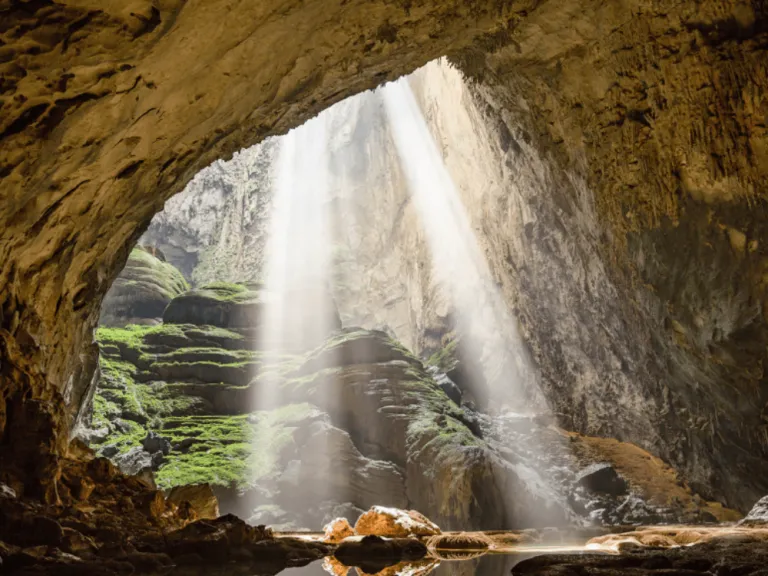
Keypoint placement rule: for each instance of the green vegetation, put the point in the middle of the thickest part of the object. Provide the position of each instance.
(229, 292)
(445, 358)
(222, 449)
(144, 268)
(177, 380)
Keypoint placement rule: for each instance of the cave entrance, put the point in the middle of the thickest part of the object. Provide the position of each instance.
(312, 328)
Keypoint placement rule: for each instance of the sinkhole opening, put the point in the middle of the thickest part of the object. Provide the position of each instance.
(326, 323)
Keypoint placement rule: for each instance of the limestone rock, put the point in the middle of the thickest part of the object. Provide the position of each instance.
(602, 478)
(200, 496)
(372, 553)
(395, 523)
(337, 529)
(156, 443)
(460, 541)
(143, 289)
(758, 516)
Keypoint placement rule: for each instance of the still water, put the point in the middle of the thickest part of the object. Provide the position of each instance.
(489, 564)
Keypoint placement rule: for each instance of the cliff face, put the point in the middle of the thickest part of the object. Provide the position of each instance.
(216, 229)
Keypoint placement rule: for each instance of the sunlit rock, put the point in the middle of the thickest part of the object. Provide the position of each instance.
(460, 541)
(200, 497)
(338, 529)
(758, 516)
(395, 523)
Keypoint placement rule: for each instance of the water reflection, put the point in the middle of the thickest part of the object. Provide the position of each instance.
(447, 564)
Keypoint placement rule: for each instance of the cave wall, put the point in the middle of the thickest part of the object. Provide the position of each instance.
(648, 123)
(109, 108)
(640, 124)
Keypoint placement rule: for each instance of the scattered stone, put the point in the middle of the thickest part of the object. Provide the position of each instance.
(6, 491)
(758, 515)
(395, 523)
(602, 478)
(153, 442)
(108, 451)
(101, 469)
(337, 530)
(200, 497)
(133, 461)
(460, 541)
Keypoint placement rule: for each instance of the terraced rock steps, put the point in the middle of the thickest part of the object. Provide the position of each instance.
(356, 421)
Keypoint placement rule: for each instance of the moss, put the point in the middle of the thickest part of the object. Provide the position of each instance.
(230, 292)
(445, 358)
(223, 453)
(143, 267)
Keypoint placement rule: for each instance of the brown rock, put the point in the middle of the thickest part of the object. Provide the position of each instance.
(153, 503)
(201, 498)
(395, 523)
(460, 541)
(338, 529)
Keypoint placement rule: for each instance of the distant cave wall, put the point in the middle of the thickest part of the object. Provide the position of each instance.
(109, 108)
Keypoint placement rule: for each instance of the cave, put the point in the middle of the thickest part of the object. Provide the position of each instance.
(543, 295)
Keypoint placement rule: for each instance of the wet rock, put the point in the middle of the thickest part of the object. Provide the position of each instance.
(337, 530)
(602, 478)
(372, 553)
(153, 442)
(6, 491)
(395, 523)
(460, 541)
(200, 497)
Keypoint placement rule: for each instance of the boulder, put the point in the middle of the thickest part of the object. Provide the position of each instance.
(372, 553)
(200, 497)
(153, 442)
(133, 461)
(142, 290)
(758, 515)
(337, 530)
(460, 541)
(602, 478)
(395, 523)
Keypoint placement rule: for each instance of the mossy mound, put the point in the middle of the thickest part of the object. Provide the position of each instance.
(142, 291)
(221, 304)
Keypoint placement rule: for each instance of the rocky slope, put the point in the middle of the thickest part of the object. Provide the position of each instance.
(295, 437)
(357, 422)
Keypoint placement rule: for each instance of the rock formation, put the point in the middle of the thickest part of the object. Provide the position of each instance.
(632, 134)
(142, 291)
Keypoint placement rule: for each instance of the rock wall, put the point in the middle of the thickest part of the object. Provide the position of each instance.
(215, 231)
